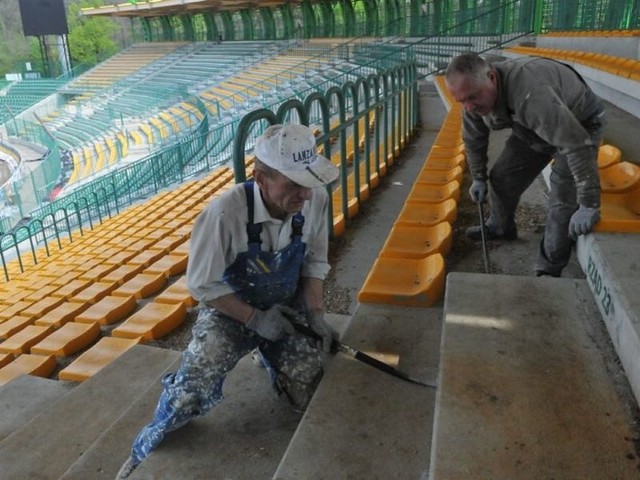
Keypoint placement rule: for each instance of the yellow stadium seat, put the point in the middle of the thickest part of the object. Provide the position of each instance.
(440, 177)
(122, 274)
(428, 193)
(152, 321)
(415, 241)
(142, 285)
(23, 340)
(41, 307)
(414, 213)
(69, 339)
(445, 162)
(608, 155)
(405, 281)
(177, 292)
(105, 351)
(27, 364)
(108, 310)
(339, 224)
(14, 325)
(94, 292)
(620, 212)
(170, 265)
(62, 314)
(619, 177)
(71, 289)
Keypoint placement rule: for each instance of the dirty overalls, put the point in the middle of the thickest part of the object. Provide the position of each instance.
(218, 342)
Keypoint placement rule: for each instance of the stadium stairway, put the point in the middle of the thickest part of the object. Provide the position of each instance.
(527, 384)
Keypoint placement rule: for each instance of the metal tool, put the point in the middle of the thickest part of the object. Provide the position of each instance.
(485, 254)
(363, 357)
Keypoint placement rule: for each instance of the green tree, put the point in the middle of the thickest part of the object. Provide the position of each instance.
(91, 39)
(14, 47)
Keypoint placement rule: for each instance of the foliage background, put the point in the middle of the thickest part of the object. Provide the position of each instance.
(91, 39)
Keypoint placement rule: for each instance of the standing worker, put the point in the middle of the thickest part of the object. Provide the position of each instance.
(553, 114)
(257, 261)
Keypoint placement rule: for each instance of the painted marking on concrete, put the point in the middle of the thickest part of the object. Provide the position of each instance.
(601, 288)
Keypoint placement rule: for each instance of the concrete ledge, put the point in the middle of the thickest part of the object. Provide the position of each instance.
(363, 423)
(26, 397)
(526, 389)
(60, 435)
(611, 264)
(242, 438)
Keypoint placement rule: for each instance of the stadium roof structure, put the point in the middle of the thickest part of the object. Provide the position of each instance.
(154, 8)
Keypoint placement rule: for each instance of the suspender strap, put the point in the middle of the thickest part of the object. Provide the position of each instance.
(297, 222)
(253, 229)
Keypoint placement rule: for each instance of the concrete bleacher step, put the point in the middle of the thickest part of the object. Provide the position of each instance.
(26, 397)
(60, 435)
(526, 387)
(612, 275)
(243, 437)
(363, 423)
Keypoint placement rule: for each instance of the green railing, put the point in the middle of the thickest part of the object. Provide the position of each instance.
(384, 18)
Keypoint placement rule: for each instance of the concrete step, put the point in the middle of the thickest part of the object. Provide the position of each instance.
(363, 423)
(60, 435)
(611, 265)
(26, 397)
(242, 438)
(527, 384)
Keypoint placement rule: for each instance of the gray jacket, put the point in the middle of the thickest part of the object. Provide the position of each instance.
(550, 107)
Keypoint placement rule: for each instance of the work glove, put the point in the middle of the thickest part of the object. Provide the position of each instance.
(583, 221)
(272, 324)
(318, 324)
(478, 191)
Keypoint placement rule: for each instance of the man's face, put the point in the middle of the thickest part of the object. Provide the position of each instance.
(478, 97)
(282, 196)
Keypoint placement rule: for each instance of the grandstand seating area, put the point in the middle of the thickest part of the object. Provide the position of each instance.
(21, 95)
(58, 307)
(120, 286)
(143, 98)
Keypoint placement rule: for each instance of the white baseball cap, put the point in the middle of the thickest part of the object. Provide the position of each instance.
(291, 150)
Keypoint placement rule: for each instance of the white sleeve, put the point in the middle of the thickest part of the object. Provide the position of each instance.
(209, 253)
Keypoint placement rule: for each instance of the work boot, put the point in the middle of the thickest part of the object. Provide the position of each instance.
(474, 233)
(126, 469)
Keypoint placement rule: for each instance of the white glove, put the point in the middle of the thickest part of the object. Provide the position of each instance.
(318, 324)
(272, 324)
(583, 221)
(478, 191)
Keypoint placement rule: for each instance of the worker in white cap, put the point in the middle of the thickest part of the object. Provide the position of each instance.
(257, 262)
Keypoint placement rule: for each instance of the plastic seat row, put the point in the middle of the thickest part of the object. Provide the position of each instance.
(80, 293)
(125, 63)
(621, 66)
(410, 269)
(74, 323)
(594, 33)
(620, 192)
